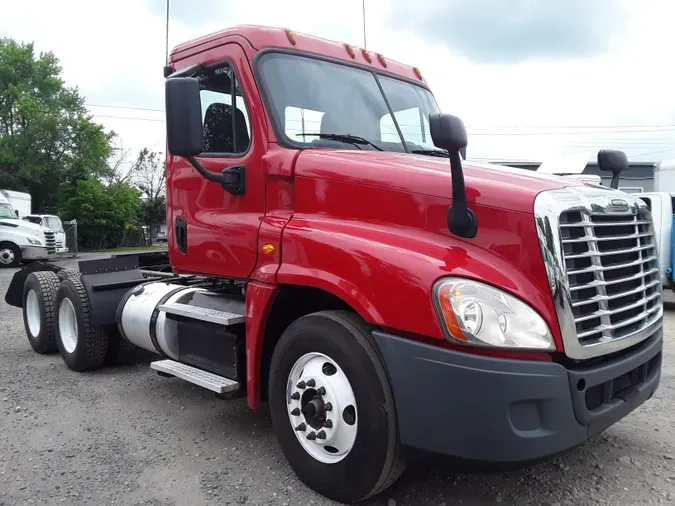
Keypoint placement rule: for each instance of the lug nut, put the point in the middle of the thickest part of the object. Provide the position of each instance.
(301, 385)
(295, 396)
(295, 412)
(328, 424)
(311, 436)
(321, 391)
(321, 435)
(311, 383)
(301, 428)
(328, 406)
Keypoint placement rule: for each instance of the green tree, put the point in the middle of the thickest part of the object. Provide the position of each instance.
(149, 176)
(48, 141)
(104, 213)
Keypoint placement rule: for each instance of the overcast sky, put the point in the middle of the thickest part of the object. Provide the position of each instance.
(531, 79)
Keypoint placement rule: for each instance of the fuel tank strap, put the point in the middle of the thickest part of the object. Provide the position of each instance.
(155, 315)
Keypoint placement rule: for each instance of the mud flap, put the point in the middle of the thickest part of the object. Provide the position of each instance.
(14, 295)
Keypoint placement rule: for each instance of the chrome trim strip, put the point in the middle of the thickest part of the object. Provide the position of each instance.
(589, 201)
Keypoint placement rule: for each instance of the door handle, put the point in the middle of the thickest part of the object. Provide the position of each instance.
(234, 179)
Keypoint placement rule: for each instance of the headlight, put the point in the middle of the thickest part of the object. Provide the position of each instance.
(34, 242)
(477, 314)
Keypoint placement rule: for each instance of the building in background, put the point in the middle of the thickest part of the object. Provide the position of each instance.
(640, 176)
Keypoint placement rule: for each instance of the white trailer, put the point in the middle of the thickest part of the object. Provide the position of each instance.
(21, 202)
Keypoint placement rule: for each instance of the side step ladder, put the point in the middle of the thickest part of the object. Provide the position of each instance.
(210, 381)
(203, 314)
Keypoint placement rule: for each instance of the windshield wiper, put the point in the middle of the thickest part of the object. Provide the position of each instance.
(431, 152)
(346, 138)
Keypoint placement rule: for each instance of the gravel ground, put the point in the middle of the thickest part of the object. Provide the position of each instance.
(127, 436)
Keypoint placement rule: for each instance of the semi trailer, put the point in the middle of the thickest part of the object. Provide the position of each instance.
(330, 253)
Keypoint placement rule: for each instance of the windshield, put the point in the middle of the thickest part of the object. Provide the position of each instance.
(6, 211)
(53, 223)
(310, 96)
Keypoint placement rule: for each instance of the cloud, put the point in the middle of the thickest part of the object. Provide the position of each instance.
(515, 30)
(114, 53)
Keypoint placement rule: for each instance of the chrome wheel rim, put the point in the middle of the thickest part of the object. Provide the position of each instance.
(33, 317)
(6, 256)
(322, 408)
(68, 325)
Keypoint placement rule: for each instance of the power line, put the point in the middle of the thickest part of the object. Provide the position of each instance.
(653, 152)
(131, 108)
(128, 118)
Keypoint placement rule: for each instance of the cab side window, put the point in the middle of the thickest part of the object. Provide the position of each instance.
(225, 120)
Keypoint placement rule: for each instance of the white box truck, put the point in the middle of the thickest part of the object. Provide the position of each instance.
(20, 201)
(22, 241)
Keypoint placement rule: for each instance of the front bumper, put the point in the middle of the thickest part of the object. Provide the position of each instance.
(34, 253)
(499, 410)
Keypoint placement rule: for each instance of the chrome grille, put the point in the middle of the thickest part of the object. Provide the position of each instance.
(602, 264)
(613, 274)
(50, 241)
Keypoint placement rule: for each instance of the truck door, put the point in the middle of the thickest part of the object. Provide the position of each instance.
(211, 230)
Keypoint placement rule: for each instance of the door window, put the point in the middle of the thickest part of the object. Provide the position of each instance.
(225, 120)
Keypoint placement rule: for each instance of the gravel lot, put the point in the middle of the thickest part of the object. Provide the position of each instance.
(127, 436)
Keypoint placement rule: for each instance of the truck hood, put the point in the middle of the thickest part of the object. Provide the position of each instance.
(21, 226)
(487, 184)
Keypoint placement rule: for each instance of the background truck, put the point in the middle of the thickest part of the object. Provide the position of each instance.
(21, 241)
(53, 223)
(20, 201)
(329, 253)
(661, 206)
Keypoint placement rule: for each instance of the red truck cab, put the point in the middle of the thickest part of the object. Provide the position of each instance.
(385, 295)
(365, 222)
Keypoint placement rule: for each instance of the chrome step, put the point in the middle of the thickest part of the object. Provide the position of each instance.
(213, 382)
(203, 314)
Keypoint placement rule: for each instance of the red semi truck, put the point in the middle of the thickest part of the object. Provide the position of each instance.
(329, 253)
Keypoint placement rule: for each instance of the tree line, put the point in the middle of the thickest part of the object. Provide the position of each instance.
(51, 147)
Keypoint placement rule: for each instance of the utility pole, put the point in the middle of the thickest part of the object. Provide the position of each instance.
(167, 32)
(363, 4)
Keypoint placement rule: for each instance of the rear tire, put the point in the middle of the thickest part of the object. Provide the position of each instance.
(64, 274)
(83, 346)
(335, 348)
(39, 302)
(10, 255)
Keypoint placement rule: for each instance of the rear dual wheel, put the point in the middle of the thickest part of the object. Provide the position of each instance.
(333, 409)
(39, 301)
(83, 345)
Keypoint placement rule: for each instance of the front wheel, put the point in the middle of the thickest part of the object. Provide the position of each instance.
(10, 255)
(332, 407)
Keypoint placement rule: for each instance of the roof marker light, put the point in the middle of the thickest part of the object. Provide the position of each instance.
(291, 36)
(417, 73)
(366, 55)
(381, 59)
(350, 50)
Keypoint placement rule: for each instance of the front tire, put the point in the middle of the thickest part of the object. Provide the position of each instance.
(39, 302)
(10, 255)
(333, 409)
(83, 346)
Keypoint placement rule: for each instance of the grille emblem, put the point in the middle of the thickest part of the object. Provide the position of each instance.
(619, 205)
